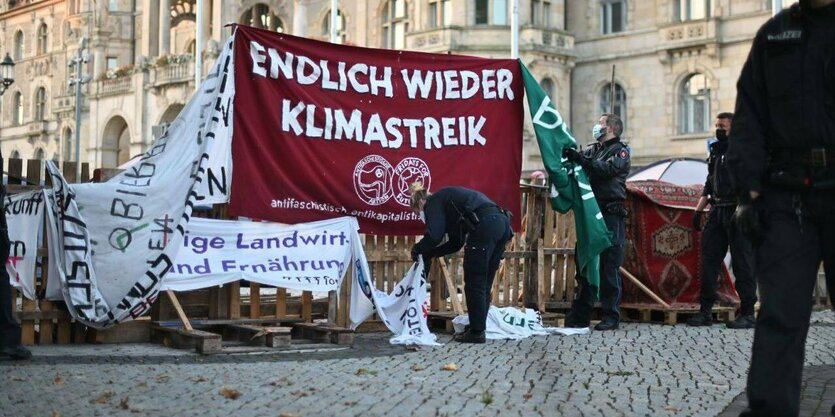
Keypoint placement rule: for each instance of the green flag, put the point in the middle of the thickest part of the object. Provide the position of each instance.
(570, 189)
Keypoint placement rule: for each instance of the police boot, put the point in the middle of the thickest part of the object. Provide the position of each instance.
(471, 336)
(743, 322)
(16, 353)
(700, 319)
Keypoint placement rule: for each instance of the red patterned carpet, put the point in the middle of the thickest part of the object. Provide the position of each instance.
(662, 248)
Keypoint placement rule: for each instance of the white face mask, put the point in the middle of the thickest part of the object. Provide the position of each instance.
(422, 216)
(598, 131)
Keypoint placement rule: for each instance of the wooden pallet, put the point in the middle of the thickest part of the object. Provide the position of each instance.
(648, 313)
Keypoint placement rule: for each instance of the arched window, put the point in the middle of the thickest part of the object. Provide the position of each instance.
(261, 16)
(18, 45)
(15, 155)
(491, 12)
(191, 47)
(548, 86)
(694, 102)
(620, 101)
(40, 104)
(693, 9)
(39, 154)
(42, 39)
(340, 26)
(395, 25)
(17, 109)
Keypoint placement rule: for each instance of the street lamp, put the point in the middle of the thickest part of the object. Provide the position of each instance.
(6, 73)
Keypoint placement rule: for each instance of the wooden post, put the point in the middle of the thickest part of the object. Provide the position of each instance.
(280, 303)
(453, 291)
(333, 307)
(643, 287)
(254, 300)
(234, 300)
(180, 313)
(542, 295)
(307, 306)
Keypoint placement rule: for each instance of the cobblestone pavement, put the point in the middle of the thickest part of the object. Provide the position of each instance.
(640, 370)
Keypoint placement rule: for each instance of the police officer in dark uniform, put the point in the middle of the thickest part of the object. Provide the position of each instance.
(607, 164)
(782, 156)
(10, 347)
(719, 233)
(464, 215)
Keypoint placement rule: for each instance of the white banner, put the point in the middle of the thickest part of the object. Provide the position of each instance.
(309, 256)
(24, 216)
(116, 241)
(403, 311)
(512, 323)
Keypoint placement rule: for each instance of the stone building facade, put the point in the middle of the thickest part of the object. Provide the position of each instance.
(676, 62)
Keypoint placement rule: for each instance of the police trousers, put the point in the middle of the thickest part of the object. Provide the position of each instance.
(610, 284)
(799, 233)
(9, 327)
(720, 233)
(483, 253)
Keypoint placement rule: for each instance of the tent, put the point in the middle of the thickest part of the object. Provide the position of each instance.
(663, 250)
(679, 171)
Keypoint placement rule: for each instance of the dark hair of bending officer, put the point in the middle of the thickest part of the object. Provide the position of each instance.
(464, 215)
(782, 157)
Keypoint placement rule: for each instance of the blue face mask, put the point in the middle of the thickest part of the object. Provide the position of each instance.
(598, 131)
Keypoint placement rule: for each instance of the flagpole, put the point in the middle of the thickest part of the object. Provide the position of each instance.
(334, 11)
(514, 29)
(198, 45)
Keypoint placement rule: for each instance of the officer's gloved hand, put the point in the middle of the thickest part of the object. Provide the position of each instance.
(697, 220)
(573, 155)
(747, 219)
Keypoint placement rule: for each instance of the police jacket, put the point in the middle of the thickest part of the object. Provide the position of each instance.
(607, 166)
(718, 185)
(443, 212)
(785, 93)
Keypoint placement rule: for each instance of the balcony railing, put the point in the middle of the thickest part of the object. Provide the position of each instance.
(119, 85)
(687, 34)
(174, 73)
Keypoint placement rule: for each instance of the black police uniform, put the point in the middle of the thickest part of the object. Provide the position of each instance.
(607, 165)
(467, 215)
(719, 233)
(9, 327)
(783, 146)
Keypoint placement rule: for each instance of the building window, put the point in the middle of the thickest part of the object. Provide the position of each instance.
(260, 16)
(693, 9)
(113, 5)
(612, 16)
(440, 13)
(18, 45)
(395, 24)
(548, 86)
(695, 105)
(17, 109)
(15, 155)
(340, 26)
(541, 13)
(492, 12)
(40, 104)
(42, 39)
(620, 101)
(112, 63)
(39, 155)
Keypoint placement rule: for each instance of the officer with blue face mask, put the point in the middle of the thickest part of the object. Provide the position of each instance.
(607, 165)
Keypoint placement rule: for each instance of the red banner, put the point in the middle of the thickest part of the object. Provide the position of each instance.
(324, 130)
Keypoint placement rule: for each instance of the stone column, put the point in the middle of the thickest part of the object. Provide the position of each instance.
(150, 28)
(164, 27)
(217, 23)
(300, 18)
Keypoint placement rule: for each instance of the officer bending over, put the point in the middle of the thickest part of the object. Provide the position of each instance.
(463, 215)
